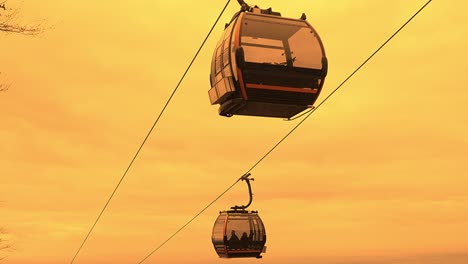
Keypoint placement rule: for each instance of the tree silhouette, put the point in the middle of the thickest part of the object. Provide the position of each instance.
(10, 22)
(4, 244)
(4, 86)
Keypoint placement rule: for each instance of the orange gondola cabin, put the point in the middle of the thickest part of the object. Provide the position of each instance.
(239, 233)
(267, 65)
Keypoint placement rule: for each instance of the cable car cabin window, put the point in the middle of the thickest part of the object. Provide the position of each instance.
(260, 229)
(279, 41)
(226, 53)
(218, 230)
(221, 87)
(226, 44)
(227, 71)
(228, 31)
(238, 232)
(218, 77)
(306, 51)
(261, 50)
(235, 28)
(218, 60)
(257, 232)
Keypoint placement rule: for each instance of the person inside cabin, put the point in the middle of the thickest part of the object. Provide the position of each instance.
(244, 240)
(234, 237)
(234, 242)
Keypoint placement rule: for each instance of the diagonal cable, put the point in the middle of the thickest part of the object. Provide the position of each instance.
(148, 134)
(339, 86)
(290, 132)
(190, 221)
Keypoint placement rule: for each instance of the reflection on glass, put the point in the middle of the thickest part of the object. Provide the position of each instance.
(264, 55)
(273, 43)
(306, 49)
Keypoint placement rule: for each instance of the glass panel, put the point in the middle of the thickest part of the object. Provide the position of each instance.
(226, 44)
(256, 231)
(218, 78)
(227, 83)
(280, 41)
(306, 51)
(238, 224)
(221, 88)
(233, 46)
(270, 27)
(218, 229)
(264, 55)
(213, 95)
(220, 41)
(261, 231)
(228, 31)
(213, 70)
(225, 57)
(273, 43)
(218, 59)
(216, 54)
(238, 230)
(227, 71)
(276, 20)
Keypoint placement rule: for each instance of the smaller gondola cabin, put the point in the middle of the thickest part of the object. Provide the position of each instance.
(239, 234)
(267, 65)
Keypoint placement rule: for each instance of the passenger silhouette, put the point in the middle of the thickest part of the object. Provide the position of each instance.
(234, 237)
(244, 240)
(234, 242)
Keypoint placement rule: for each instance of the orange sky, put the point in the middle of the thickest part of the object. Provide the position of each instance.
(376, 175)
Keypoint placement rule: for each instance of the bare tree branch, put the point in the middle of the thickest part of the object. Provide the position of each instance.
(5, 246)
(10, 22)
(4, 86)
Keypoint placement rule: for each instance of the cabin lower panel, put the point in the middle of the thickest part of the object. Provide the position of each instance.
(244, 254)
(253, 108)
(307, 97)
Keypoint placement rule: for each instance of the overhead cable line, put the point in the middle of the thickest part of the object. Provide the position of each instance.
(149, 132)
(190, 221)
(310, 112)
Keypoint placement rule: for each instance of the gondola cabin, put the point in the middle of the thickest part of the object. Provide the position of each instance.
(238, 234)
(267, 65)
